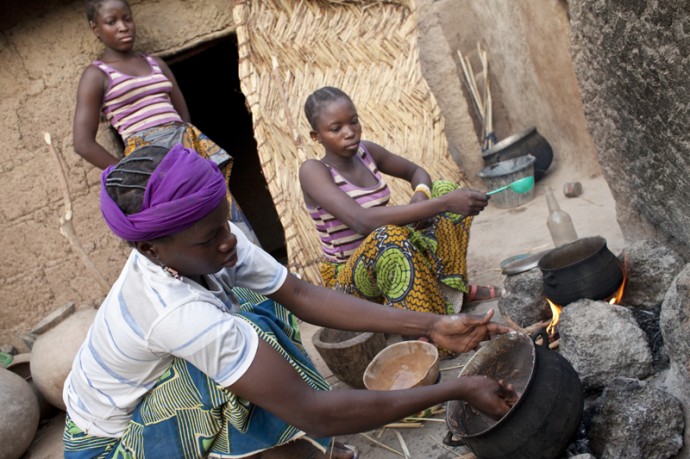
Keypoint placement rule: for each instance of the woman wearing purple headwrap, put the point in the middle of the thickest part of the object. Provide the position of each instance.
(187, 358)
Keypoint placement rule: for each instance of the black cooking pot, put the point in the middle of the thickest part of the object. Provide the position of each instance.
(545, 418)
(584, 268)
(521, 144)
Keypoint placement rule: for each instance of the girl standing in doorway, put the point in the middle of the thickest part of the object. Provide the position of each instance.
(140, 98)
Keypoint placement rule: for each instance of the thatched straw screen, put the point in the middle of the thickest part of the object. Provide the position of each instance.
(288, 49)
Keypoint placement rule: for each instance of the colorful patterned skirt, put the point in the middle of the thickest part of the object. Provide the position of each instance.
(404, 267)
(191, 137)
(188, 415)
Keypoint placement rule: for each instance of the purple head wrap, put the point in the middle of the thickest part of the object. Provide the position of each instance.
(182, 190)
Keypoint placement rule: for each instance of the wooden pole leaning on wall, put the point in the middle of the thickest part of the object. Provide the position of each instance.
(66, 227)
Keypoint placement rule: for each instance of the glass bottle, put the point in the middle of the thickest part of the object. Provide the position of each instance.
(559, 222)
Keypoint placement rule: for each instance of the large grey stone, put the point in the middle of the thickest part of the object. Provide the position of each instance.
(651, 268)
(631, 62)
(674, 322)
(523, 299)
(633, 420)
(603, 341)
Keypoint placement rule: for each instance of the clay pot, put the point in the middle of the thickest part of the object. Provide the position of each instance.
(53, 354)
(347, 353)
(21, 365)
(19, 416)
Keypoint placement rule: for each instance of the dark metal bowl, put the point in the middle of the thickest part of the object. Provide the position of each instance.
(526, 142)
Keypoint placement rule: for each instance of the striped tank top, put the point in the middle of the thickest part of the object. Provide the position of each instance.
(338, 241)
(134, 103)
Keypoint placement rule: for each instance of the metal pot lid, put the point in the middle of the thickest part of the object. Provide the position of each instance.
(508, 141)
(523, 262)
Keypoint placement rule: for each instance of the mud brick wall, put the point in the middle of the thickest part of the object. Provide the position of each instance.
(44, 47)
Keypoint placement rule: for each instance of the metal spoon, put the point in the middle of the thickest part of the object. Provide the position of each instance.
(520, 186)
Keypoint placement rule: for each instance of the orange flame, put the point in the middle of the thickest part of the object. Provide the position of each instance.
(618, 296)
(555, 317)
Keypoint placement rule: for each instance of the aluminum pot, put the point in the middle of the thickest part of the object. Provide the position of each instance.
(584, 268)
(545, 418)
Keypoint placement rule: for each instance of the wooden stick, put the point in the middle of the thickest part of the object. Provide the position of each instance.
(537, 327)
(509, 323)
(468, 84)
(482, 58)
(475, 89)
(554, 344)
(66, 228)
(424, 419)
(488, 110)
(454, 367)
(378, 443)
(438, 409)
(405, 425)
(403, 445)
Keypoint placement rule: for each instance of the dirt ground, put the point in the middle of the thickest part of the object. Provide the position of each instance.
(496, 235)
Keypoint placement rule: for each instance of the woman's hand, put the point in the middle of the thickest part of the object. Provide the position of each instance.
(464, 332)
(491, 397)
(465, 201)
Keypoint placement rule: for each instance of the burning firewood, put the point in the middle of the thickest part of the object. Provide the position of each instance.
(537, 327)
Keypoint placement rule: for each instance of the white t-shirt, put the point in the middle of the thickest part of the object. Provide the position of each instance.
(147, 318)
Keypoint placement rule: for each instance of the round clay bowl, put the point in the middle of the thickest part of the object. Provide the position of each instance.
(402, 366)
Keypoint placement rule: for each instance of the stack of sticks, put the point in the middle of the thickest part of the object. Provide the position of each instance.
(481, 98)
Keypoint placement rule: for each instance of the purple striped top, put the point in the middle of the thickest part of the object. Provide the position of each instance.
(134, 103)
(338, 241)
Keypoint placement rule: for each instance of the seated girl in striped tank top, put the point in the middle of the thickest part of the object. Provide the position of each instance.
(139, 97)
(394, 255)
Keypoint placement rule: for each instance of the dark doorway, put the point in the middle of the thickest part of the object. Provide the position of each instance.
(208, 77)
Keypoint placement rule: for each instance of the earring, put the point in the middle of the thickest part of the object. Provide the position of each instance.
(172, 273)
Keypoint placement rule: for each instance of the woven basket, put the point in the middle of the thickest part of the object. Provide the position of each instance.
(290, 48)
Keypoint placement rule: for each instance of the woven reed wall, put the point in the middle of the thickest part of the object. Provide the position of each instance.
(288, 49)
